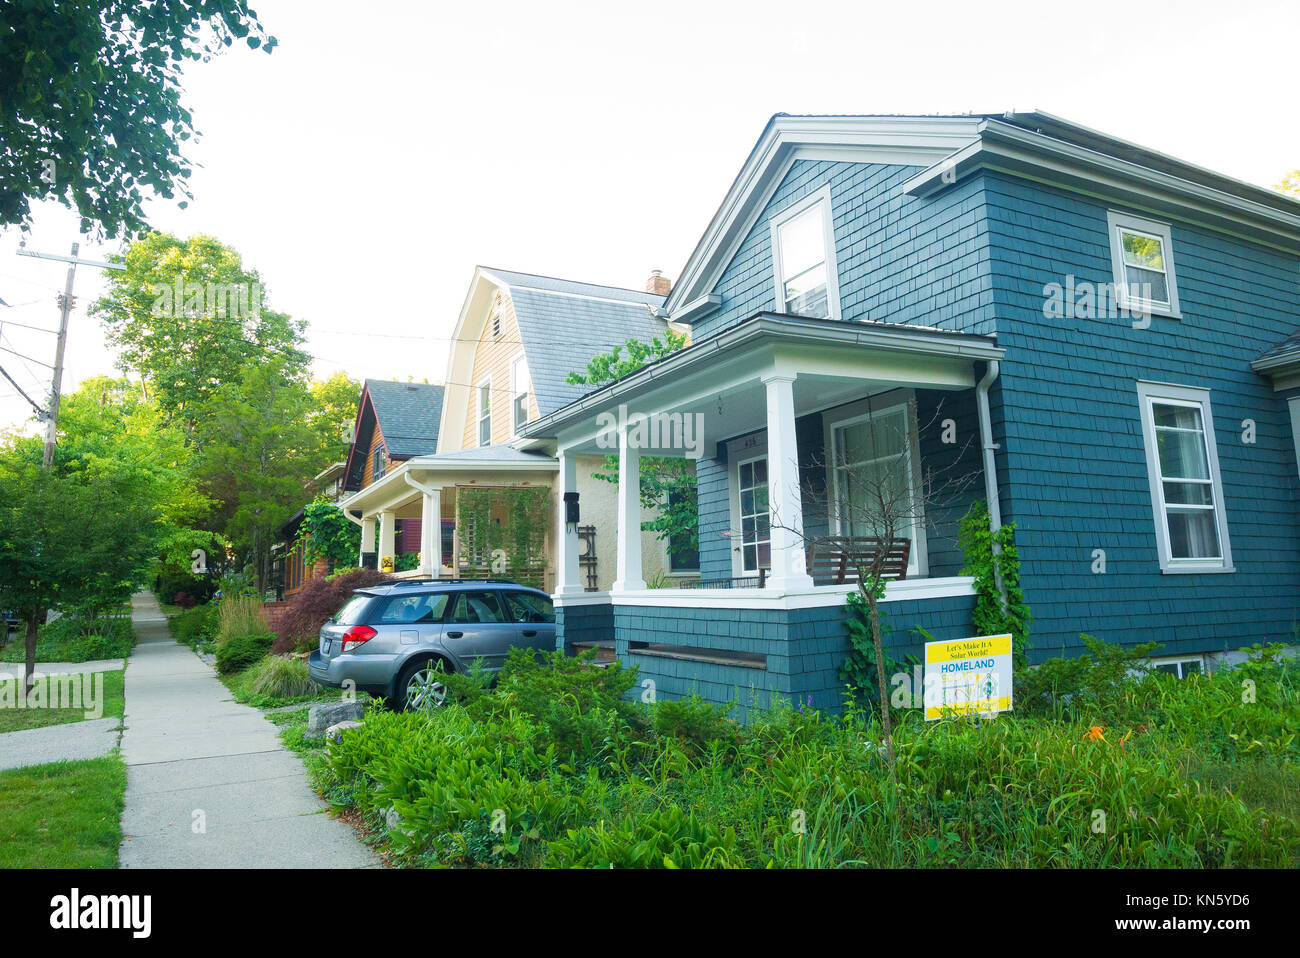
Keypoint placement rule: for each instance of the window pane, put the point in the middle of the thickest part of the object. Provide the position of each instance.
(1182, 455)
(805, 295)
(521, 409)
(1143, 251)
(803, 242)
(526, 607)
(477, 607)
(1192, 534)
(1147, 285)
(409, 609)
(1189, 494)
(485, 432)
(1176, 417)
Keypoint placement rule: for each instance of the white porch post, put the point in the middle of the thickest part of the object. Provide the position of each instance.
(568, 579)
(367, 537)
(431, 533)
(788, 568)
(628, 576)
(387, 536)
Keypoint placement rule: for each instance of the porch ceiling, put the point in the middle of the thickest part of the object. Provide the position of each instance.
(720, 381)
(393, 493)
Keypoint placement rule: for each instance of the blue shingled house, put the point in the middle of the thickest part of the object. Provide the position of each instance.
(1100, 338)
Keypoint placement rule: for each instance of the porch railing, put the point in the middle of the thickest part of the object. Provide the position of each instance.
(734, 582)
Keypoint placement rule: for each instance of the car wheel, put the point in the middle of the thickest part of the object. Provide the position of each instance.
(420, 686)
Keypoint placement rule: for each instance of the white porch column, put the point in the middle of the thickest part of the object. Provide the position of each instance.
(367, 537)
(628, 576)
(788, 567)
(431, 533)
(568, 576)
(387, 536)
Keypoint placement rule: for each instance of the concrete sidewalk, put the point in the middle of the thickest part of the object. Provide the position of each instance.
(208, 783)
(69, 742)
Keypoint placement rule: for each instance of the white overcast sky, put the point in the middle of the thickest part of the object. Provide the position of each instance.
(386, 148)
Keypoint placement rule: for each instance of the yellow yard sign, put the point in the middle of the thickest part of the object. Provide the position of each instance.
(968, 675)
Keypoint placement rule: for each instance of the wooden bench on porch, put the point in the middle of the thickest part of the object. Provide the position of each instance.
(835, 560)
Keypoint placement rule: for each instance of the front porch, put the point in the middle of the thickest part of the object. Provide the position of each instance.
(781, 415)
(471, 514)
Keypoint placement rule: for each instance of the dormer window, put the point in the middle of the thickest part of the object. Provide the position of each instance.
(803, 259)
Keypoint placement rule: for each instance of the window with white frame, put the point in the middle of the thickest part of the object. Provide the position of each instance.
(518, 392)
(485, 413)
(803, 258)
(1186, 487)
(874, 466)
(1179, 667)
(1142, 257)
(755, 516)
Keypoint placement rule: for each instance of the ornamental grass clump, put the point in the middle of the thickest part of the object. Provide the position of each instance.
(239, 616)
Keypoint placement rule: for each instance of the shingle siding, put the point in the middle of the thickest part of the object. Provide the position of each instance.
(1074, 468)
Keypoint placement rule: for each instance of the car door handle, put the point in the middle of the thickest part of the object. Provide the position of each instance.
(454, 635)
(529, 633)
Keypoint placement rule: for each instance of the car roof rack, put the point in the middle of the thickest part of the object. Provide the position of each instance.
(406, 582)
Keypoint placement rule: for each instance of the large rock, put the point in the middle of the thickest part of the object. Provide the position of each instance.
(335, 732)
(321, 717)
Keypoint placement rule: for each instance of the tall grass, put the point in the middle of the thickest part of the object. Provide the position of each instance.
(240, 615)
(584, 778)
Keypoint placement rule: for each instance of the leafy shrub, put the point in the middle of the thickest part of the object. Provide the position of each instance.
(277, 677)
(238, 616)
(1081, 683)
(696, 722)
(240, 651)
(195, 625)
(668, 838)
(71, 638)
(319, 599)
(184, 600)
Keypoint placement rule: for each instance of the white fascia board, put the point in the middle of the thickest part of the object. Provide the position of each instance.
(1020, 153)
(697, 309)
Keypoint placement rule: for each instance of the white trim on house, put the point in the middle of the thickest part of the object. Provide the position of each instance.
(482, 386)
(815, 597)
(750, 447)
(1118, 223)
(778, 221)
(877, 405)
(1167, 394)
(1179, 661)
(515, 360)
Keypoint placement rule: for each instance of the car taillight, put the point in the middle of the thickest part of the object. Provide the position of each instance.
(357, 635)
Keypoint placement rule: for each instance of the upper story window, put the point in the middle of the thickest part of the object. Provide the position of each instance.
(1142, 256)
(378, 462)
(803, 258)
(518, 392)
(1186, 488)
(485, 413)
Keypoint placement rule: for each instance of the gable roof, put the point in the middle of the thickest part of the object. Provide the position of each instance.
(948, 147)
(563, 324)
(408, 415)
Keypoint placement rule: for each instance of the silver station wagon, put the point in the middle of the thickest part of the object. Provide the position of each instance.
(397, 640)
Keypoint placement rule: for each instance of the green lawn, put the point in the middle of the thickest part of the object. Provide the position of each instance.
(16, 719)
(64, 815)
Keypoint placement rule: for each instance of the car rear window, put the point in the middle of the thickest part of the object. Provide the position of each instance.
(410, 609)
(354, 612)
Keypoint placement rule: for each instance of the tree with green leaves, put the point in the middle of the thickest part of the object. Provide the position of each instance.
(90, 102)
(334, 413)
(1290, 184)
(77, 536)
(254, 451)
(326, 533)
(188, 317)
(667, 482)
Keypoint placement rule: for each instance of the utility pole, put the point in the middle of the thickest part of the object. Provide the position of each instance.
(65, 308)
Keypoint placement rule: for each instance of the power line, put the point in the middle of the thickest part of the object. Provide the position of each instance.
(40, 413)
(21, 356)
